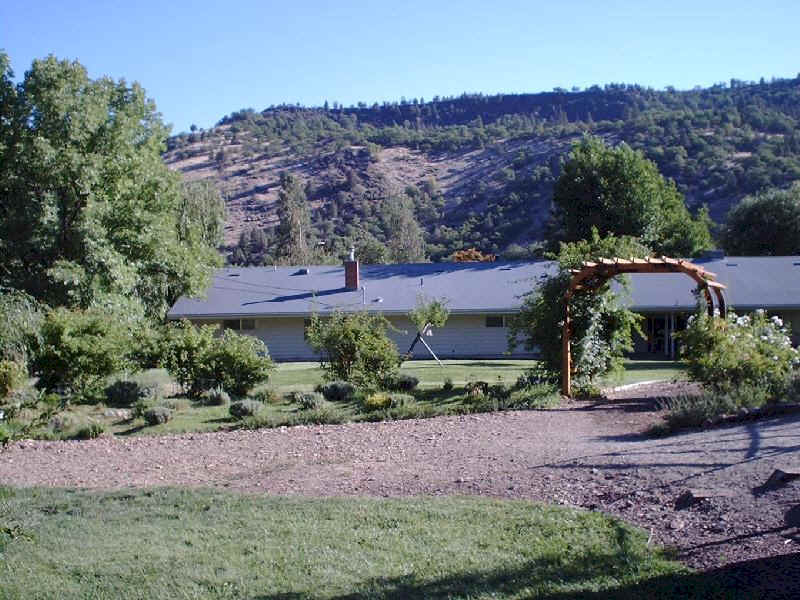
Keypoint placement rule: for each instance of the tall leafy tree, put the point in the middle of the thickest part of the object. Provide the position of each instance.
(403, 233)
(294, 236)
(618, 191)
(201, 212)
(89, 213)
(767, 224)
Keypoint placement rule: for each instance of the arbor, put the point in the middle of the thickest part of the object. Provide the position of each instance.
(89, 213)
(602, 327)
(618, 191)
(767, 224)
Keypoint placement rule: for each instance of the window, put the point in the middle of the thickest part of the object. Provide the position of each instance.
(234, 324)
(248, 323)
(495, 321)
(306, 325)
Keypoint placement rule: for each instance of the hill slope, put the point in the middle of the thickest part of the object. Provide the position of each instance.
(480, 169)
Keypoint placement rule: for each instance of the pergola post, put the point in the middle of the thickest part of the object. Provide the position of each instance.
(566, 354)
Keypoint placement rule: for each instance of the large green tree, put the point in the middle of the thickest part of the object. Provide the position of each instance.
(618, 191)
(404, 235)
(767, 224)
(295, 242)
(89, 213)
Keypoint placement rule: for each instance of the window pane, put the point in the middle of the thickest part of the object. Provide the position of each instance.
(232, 324)
(248, 323)
(494, 321)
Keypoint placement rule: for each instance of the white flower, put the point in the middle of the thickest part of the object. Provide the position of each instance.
(760, 311)
(777, 321)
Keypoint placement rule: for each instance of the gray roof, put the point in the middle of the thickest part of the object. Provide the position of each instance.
(769, 282)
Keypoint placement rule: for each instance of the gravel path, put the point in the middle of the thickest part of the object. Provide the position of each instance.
(584, 454)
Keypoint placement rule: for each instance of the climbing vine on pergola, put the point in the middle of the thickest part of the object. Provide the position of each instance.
(592, 275)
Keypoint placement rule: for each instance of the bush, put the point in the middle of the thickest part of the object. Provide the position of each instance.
(266, 396)
(89, 432)
(157, 415)
(750, 351)
(244, 408)
(20, 323)
(476, 389)
(377, 401)
(537, 396)
(402, 383)
(124, 393)
(323, 415)
(12, 377)
(354, 348)
(79, 349)
(447, 386)
(538, 375)
(215, 397)
(337, 391)
(140, 407)
(308, 400)
(397, 400)
(199, 361)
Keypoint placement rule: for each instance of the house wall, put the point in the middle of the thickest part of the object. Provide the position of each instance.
(464, 336)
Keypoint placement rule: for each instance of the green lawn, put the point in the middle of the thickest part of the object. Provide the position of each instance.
(169, 543)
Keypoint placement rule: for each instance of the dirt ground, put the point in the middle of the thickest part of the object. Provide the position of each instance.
(584, 454)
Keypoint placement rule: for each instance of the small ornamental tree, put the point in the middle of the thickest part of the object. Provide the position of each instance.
(602, 327)
(78, 349)
(429, 312)
(354, 347)
(739, 351)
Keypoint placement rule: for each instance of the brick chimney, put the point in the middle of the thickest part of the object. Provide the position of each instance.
(351, 279)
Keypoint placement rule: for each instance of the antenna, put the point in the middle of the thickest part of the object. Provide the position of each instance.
(352, 252)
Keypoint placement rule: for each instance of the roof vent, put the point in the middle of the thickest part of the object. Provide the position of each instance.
(378, 299)
(303, 271)
(234, 274)
(731, 264)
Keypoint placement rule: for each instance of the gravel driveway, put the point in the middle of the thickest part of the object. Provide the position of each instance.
(584, 454)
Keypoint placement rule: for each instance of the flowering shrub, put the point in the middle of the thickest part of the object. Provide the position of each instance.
(749, 350)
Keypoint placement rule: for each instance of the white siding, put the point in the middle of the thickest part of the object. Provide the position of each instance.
(464, 336)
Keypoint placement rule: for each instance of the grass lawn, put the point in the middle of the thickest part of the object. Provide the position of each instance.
(170, 543)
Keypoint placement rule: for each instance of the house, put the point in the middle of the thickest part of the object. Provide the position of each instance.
(276, 303)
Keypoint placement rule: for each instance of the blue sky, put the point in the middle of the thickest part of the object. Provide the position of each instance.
(201, 60)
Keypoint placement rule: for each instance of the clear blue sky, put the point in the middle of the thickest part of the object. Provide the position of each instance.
(201, 60)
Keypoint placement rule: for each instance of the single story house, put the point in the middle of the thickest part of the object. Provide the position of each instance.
(276, 303)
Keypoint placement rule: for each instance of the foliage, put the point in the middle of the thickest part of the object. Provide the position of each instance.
(244, 408)
(354, 348)
(307, 400)
(708, 408)
(90, 211)
(13, 375)
(377, 401)
(201, 213)
(337, 391)
(157, 415)
(79, 349)
(403, 233)
(752, 351)
(447, 384)
(402, 382)
(90, 431)
(602, 329)
(293, 234)
(20, 320)
(200, 361)
(620, 192)
(216, 396)
(266, 395)
(429, 312)
(471, 255)
(767, 224)
(238, 362)
(124, 393)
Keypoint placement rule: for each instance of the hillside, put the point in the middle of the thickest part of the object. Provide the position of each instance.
(480, 169)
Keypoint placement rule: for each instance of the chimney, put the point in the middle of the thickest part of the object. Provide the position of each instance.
(351, 279)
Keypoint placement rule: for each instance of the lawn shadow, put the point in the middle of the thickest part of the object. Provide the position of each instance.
(773, 578)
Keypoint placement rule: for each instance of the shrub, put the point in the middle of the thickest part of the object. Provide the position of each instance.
(215, 397)
(355, 348)
(175, 404)
(447, 386)
(476, 388)
(199, 361)
(90, 431)
(337, 391)
(537, 396)
(402, 383)
(124, 393)
(322, 415)
(157, 415)
(538, 375)
(752, 351)
(266, 396)
(140, 407)
(244, 408)
(12, 376)
(20, 323)
(79, 349)
(377, 401)
(397, 400)
(308, 400)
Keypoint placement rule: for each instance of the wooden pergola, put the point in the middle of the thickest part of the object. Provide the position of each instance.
(592, 275)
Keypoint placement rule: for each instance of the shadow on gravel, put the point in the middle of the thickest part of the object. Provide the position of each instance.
(774, 578)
